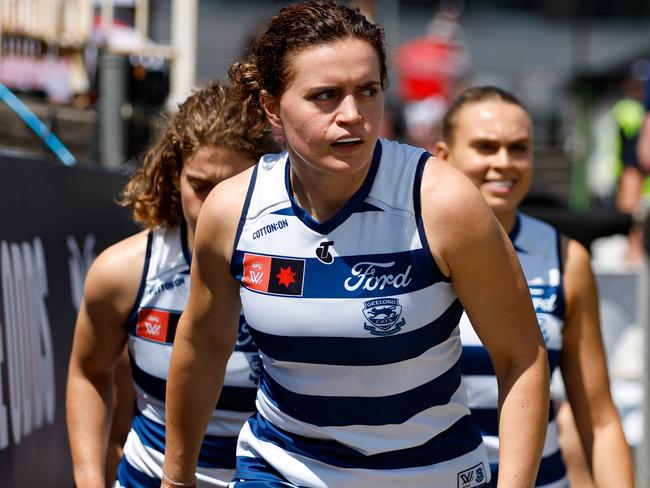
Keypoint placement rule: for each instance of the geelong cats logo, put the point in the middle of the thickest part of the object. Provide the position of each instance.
(383, 316)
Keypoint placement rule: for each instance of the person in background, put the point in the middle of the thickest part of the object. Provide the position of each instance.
(633, 187)
(487, 135)
(136, 290)
(350, 256)
(643, 144)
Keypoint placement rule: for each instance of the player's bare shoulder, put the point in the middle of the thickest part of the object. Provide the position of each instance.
(222, 209)
(115, 275)
(450, 201)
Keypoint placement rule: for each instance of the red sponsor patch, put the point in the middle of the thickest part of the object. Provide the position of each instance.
(257, 272)
(153, 324)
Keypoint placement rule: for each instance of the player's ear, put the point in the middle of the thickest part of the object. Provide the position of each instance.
(441, 151)
(271, 107)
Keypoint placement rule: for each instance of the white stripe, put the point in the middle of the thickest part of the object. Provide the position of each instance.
(365, 381)
(153, 358)
(482, 391)
(332, 317)
(373, 439)
(290, 240)
(309, 472)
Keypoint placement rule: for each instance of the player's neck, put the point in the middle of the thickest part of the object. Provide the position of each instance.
(323, 194)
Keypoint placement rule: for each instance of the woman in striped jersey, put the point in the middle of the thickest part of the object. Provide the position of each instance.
(350, 257)
(487, 135)
(136, 290)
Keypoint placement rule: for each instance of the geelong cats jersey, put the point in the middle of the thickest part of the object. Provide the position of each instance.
(151, 327)
(538, 249)
(358, 333)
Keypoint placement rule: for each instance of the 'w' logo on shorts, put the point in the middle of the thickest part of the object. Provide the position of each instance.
(472, 477)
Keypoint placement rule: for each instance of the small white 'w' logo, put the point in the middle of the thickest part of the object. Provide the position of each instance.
(152, 329)
(256, 276)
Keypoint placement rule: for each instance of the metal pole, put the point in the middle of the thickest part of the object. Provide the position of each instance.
(142, 18)
(107, 17)
(112, 87)
(184, 33)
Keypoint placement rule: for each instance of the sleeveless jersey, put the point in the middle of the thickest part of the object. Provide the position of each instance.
(151, 327)
(358, 333)
(538, 247)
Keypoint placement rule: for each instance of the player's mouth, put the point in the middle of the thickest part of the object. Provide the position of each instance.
(348, 142)
(501, 186)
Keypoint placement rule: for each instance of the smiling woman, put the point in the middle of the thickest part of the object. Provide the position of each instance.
(487, 135)
(355, 302)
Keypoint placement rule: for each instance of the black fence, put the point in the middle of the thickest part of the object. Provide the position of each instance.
(53, 221)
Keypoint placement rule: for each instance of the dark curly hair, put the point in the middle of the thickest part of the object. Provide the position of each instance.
(210, 116)
(297, 27)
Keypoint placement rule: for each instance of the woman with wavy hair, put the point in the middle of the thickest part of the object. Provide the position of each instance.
(136, 290)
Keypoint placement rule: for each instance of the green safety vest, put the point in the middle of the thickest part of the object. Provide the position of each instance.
(629, 115)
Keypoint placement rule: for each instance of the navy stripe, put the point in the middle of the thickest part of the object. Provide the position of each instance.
(430, 266)
(245, 342)
(360, 276)
(514, 233)
(475, 360)
(349, 410)
(348, 209)
(257, 470)
(554, 356)
(284, 211)
(551, 469)
(216, 452)
(357, 351)
(131, 477)
(367, 207)
(132, 320)
(459, 439)
(487, 419)
(187, 253)
(234, 398)
(242, 217)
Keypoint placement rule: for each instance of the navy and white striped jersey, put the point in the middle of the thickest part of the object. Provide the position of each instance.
(538, 248)
(358, 332)
(151, 328)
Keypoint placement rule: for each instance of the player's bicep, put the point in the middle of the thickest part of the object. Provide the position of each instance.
(213, 306)
(99, 335)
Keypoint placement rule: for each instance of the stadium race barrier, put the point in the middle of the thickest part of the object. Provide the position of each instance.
(54, 220)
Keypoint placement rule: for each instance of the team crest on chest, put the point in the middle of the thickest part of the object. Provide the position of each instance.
(383, 316)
